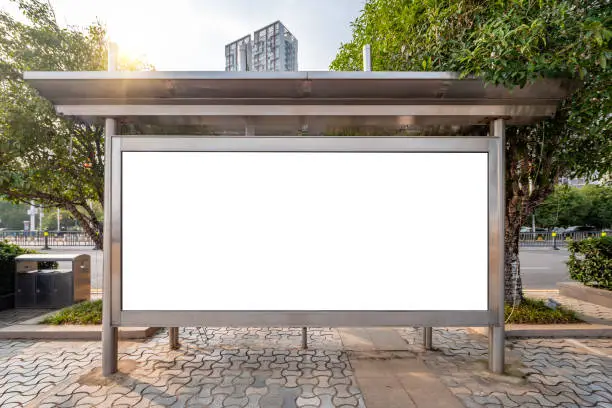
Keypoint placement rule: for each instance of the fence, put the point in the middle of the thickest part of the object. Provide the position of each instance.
(76, 238)
(54, 239)
(546, 239)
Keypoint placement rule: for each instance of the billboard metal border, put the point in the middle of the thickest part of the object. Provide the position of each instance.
(490, 317)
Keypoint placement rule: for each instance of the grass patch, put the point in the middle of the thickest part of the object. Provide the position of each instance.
(532, 311)
(89, 312)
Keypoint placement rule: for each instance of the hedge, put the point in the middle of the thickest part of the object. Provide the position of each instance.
(590, 262)
(8, 253)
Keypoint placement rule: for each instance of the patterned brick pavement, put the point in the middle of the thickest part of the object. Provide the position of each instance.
(252, 367)
(10, 317)
(547, 373)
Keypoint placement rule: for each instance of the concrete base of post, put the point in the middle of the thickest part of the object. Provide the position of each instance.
(110, 350)
(497, 344)
(173, 338)
(428, 338)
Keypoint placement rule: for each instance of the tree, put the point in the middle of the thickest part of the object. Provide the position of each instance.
(44, 158)
(600, 208)
(67, 222)
(12, 215)
(565, 207)
(509, 43)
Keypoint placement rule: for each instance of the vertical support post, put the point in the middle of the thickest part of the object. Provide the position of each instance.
(110, 335)
(32, 214)
(249, 130)
(304, 338)
(428, 338)
(173, 337)
(46, 235)
(367, 58)
(249, 127)
(497, 337)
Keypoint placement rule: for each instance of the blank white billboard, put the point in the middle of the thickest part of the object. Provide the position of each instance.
(304, 231)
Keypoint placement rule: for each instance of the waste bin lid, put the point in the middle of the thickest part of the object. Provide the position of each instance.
(54, 270)
(48, 257)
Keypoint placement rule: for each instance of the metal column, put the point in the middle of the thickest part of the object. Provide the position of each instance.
(304, 338)
(428, 338)
(110, 335)
(497, 337)
(367, 58)
(173, 337)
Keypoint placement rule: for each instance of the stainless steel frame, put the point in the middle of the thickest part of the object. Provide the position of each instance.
(304, 318)
(497, 204)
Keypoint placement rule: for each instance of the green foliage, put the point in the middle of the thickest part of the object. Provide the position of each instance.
(532, 311)
(8, 253)
(13, 215)
(566, 206)
(590, 262)
(67, 221)
(89, 312)
(44, 158)
(509, 43)
(600, 208)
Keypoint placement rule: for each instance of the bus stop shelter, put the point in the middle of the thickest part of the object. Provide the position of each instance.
(252, 119)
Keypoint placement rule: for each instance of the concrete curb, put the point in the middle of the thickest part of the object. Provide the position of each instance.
(68, 332)
(551, 330)
(600, 297)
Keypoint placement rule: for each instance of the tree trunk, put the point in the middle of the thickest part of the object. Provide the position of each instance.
(513, 283)
(91, 225)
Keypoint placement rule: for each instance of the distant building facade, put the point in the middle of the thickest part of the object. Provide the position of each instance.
(272, 48)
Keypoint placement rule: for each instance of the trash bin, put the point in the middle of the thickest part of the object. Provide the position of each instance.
(25, 289)
(51, 288)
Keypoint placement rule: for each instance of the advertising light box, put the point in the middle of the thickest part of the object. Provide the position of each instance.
(304, 231)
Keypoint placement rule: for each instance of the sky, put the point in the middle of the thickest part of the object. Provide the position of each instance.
(192, 34)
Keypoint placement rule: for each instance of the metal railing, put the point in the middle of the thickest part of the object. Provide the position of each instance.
(77, 238)
(54, 239)
(551, 239)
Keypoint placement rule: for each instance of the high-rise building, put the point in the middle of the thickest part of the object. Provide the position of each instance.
(273, 48)
(238, 55)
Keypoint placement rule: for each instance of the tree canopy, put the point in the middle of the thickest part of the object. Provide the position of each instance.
(567, 206)
(44, 158)
(509, 43)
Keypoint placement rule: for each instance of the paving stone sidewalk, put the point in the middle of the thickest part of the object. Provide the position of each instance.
(10, 317)
(262, 367)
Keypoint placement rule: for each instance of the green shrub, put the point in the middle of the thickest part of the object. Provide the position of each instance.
(590, 262)
(8, 253)
(534, 311)
(89, 312)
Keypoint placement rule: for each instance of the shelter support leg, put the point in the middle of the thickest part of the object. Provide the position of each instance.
(173, 337)
(110, 344)
(497, 343)
(427, 338)
(110, 333)
(497, 172)
(304, 338)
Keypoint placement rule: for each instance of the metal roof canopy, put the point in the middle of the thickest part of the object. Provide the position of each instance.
(284, 102)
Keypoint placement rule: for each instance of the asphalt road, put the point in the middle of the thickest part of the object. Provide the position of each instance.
(541, 268)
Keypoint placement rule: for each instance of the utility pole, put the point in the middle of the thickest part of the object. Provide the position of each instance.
(40, 218)
(32, 214)
(58, 220)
